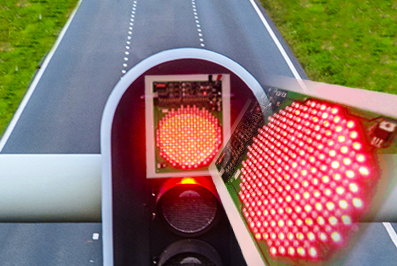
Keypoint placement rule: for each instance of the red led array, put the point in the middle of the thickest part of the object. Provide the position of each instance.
(189, 137)
(306, 179)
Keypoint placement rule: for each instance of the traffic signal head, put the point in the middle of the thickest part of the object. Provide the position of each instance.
(186, 117)
(157, 198)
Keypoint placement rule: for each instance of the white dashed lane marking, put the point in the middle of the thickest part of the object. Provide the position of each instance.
(129, 37)
(196, 18)
(95, 236)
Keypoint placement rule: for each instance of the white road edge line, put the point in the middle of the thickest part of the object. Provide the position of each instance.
(280, 47)
(32, 87)
(391, 233)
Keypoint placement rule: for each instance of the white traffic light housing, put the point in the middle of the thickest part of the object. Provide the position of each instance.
(156, 186)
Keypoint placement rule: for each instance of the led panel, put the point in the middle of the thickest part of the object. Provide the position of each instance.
(295, 181)
(187, 117)
(306, 178)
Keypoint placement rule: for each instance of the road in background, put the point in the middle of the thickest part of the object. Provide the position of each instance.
(64, 113)
(105, 39)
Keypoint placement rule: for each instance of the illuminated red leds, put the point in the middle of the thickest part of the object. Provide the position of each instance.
(189, 137)
(307, 178)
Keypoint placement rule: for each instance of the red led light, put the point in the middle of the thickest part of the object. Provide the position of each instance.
(353, 134)
(310, 171)
(189, 137)
(353, 187)
(360, 158)
(350, 124)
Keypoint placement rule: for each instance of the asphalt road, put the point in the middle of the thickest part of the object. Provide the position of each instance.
(50, 244)
(64, 113)
(105, 39)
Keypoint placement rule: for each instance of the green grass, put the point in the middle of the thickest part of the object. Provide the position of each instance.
(346, 42)
(28, 30)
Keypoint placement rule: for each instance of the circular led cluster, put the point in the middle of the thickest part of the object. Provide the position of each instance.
(189, 137)
(306, 179)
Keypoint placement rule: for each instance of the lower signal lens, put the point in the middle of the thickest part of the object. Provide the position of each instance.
(189, 209)
(190, 252)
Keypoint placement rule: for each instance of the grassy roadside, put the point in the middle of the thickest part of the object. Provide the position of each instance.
(347, 42)
(28, 30)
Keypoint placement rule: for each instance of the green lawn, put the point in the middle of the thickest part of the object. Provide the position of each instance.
(347, 42)
(28, 30)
